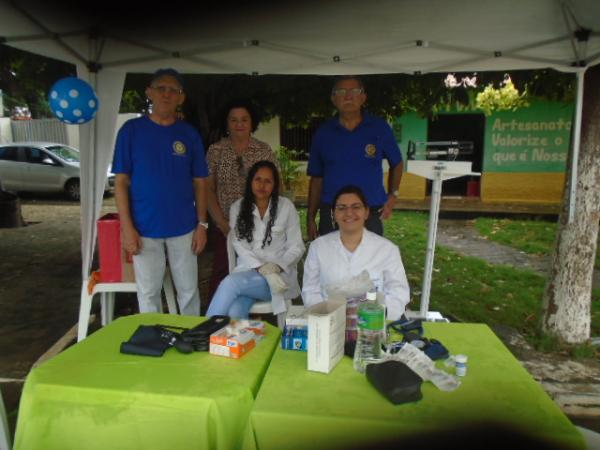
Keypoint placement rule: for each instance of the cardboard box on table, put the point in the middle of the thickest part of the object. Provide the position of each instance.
(295, 331)
(326, 334)
(116, 265)
(232, 344)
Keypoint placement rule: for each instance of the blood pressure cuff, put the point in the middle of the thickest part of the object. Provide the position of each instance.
(431, 347)
(436, 350)
(395, 381)
(412, 331)
(147, 340)
(404, 325)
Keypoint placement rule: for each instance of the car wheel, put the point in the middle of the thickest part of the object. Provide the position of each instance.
(72, 189)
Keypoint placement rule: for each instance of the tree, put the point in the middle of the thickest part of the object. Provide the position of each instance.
(567, 299)
(26, 78)
(132, 102)
(298, 99)
(294, 99)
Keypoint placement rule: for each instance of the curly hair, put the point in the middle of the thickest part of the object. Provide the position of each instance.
(242, 104)
(244, 225)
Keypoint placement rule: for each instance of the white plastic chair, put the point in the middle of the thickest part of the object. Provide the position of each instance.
(4, 430)
(259, 307)
(107, 301)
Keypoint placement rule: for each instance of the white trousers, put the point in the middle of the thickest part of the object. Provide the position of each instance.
(150, 264)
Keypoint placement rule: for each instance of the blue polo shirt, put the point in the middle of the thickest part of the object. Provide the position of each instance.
(162, 162)
(344, 157)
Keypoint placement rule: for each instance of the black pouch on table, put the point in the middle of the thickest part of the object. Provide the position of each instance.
(395, 381)
(149, 340)
(199, 336)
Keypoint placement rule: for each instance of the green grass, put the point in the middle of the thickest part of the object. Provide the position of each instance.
(531, 236)
(469, 288)
(465, 287)
(534, 237)
(547, 343)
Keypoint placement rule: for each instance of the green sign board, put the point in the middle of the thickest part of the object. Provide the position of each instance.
(409, 127)
(533, 139)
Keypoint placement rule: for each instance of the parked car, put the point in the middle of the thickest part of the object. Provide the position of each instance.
(42, 167)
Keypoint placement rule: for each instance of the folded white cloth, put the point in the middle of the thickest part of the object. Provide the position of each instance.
(276, 283)
(268, 268)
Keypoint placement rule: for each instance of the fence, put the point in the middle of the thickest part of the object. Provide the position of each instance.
(299, 138)
(50, 130)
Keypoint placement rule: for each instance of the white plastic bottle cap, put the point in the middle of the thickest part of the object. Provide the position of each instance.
(371, 296)
(461, 359)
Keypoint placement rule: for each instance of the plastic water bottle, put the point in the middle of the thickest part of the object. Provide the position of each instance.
(371, 332)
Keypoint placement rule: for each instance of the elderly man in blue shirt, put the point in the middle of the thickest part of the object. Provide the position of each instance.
(161, 195)
(349, 149)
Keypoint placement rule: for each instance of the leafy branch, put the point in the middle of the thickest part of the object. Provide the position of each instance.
(288, 166)
(506, 97)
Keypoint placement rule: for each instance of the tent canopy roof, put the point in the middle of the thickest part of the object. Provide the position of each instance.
(310, 37)
(106, 40)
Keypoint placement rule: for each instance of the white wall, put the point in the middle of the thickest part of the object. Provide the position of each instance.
(73, 135)
(73, 130)
(122, 118)
(5, 130)
(269, 132)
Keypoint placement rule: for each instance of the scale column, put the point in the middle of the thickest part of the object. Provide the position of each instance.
(436, 196)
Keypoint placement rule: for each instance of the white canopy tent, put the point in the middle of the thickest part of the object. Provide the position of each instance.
(309, 37)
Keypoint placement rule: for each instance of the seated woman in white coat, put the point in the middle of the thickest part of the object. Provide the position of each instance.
(341, 255)
(268, 242)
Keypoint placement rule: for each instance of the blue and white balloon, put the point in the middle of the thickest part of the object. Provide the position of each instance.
(73, 101)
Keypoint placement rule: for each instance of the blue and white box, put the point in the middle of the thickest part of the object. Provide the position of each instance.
(295, 332)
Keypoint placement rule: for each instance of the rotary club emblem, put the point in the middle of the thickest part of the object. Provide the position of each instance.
(370, 151)
(179, 148)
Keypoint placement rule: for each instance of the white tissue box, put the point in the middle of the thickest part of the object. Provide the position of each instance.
(326, 334)
(296, 316)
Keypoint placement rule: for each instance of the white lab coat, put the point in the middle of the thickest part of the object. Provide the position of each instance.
(328, 262)
(285, 250)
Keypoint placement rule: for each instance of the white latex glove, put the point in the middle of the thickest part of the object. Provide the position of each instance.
(268, 268)
(276, 283)
(351, 287)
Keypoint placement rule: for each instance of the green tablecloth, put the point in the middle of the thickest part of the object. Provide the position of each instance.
(92, 397)
(299, 409)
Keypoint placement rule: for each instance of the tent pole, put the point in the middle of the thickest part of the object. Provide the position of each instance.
(576, 145)
(93, 197)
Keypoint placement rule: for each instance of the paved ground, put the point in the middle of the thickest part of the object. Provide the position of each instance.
(40, 283)
(463, 237)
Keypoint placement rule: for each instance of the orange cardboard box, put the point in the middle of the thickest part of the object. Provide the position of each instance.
(232, 344)
(256, 326)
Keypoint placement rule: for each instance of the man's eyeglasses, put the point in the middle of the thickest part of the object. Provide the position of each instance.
(342, 92)
(167, 89)
(355, 207)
